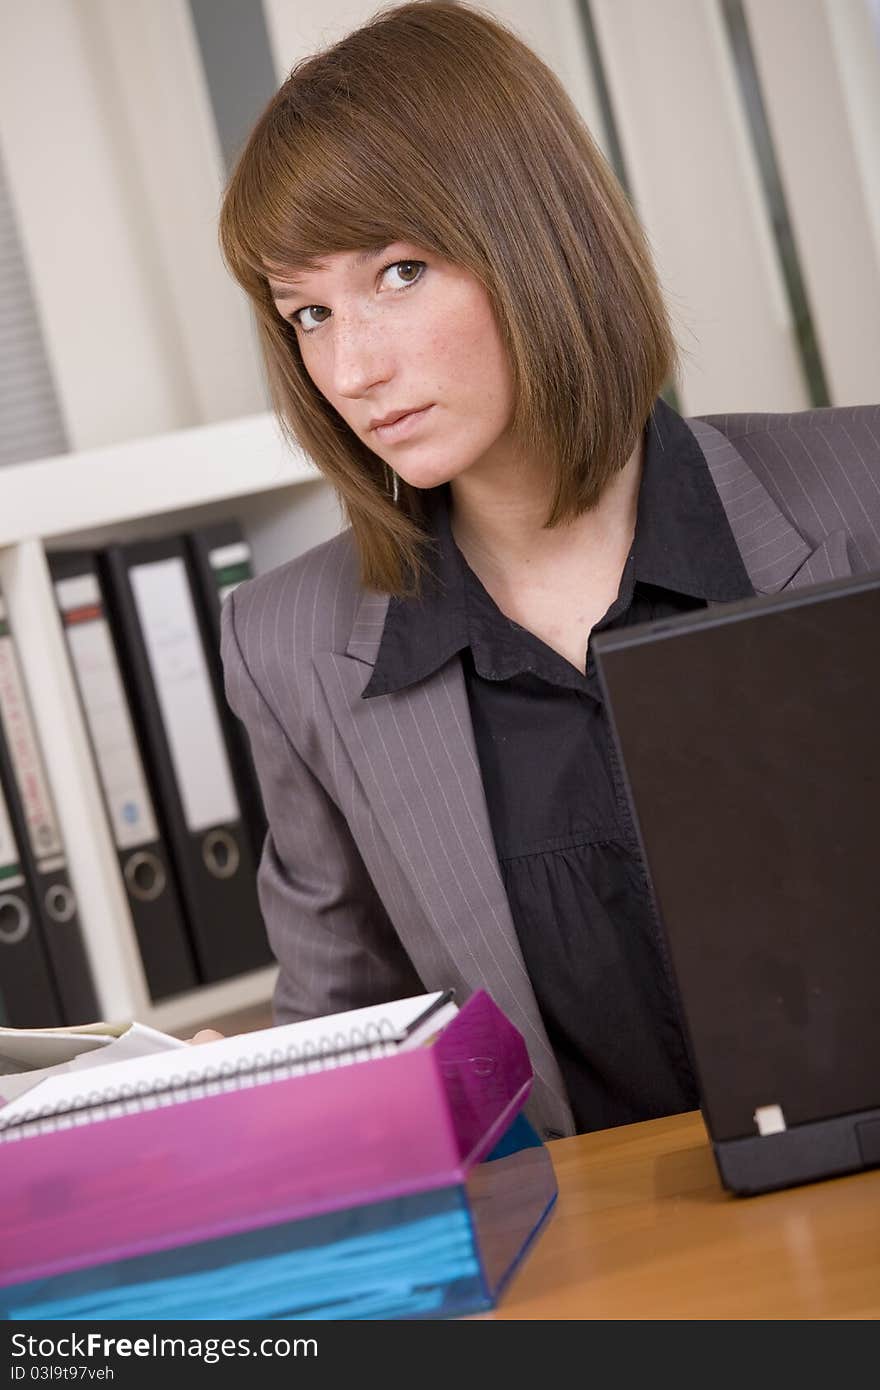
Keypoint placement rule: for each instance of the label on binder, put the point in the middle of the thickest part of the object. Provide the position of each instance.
(230, 565)
(183, 687)
(10, 869)
(26, 758)
(106, 706)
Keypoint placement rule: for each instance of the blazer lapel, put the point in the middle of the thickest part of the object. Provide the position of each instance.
(775, 554)
(414, 753)
(830, 561)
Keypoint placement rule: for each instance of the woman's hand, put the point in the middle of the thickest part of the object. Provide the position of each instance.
(205, 1035)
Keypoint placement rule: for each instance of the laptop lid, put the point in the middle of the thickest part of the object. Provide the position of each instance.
(749, 735)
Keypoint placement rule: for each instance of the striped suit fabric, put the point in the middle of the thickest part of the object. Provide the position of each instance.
(379, 878)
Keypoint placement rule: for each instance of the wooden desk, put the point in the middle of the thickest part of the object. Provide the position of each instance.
(643, 1229)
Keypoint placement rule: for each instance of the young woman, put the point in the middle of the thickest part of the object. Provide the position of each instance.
(463, 328)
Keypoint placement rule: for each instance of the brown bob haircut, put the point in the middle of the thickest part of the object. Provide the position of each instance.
(434, 124)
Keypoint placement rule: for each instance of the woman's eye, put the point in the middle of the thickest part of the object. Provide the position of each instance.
(409, 271)
(313, 315)
(306, 326)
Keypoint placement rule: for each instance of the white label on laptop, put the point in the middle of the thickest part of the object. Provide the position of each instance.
(770, 1119)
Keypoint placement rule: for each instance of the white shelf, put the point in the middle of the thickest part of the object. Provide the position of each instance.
(53, 498)
(241, 468)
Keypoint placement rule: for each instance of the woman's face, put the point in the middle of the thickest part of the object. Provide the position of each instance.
(396, 330)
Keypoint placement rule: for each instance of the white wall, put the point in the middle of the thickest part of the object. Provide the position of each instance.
(115, 174)
(823, 105)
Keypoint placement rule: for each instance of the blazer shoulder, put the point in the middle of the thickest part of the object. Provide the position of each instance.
(821, 467)
(830, 420)
(312, 600)
(273, 625)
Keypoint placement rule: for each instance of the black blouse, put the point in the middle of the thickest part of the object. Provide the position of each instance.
(569, 858)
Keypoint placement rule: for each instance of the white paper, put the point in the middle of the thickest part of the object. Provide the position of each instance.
(31, 1057)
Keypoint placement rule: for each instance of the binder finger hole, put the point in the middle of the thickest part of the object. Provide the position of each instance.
(15, 920)
(220, 853)
(60, 903)
(144, 876)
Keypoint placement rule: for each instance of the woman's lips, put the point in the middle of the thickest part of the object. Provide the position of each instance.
(402, 428)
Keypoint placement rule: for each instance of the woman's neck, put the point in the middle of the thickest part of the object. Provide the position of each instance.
(501, 533)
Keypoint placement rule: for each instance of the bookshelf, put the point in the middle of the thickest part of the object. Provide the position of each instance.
(240, 469)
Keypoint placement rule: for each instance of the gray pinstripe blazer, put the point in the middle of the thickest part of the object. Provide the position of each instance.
(379, 877)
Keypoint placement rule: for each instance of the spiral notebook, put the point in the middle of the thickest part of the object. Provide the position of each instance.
(228, 1064)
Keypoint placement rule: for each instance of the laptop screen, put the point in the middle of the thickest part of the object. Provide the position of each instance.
(749, 735)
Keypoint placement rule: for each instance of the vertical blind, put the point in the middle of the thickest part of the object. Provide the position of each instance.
(30, 420)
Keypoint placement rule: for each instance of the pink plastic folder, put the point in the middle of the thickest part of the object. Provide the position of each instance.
(264, 1155)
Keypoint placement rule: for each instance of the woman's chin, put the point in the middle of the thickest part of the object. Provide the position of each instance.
(424, 480)
(425, 475)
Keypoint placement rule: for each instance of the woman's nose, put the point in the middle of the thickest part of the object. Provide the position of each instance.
(361, 358)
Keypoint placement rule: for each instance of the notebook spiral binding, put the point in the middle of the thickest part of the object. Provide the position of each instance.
(375, 1039)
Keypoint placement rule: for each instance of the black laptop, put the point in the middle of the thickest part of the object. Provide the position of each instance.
(749, 735)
